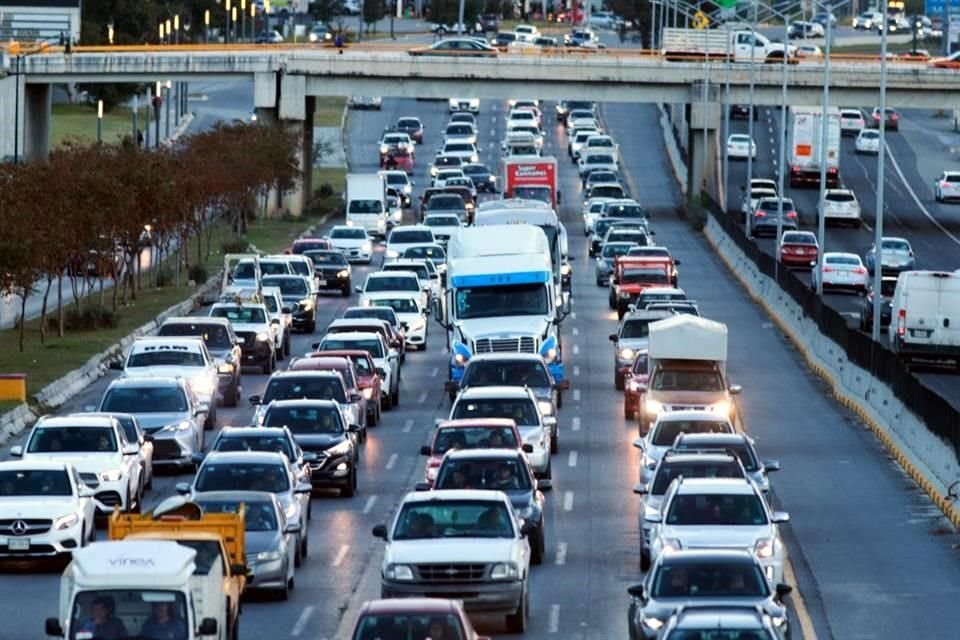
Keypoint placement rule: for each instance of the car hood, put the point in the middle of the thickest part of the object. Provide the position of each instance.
(257, 541)
(318, 442)
(153, 421)
(253, 328)
(717, 537)
(36, 506)
(220, 354)
(495, 327)
(662, 608)
(433, 550)
(688, 397)
(84, 462)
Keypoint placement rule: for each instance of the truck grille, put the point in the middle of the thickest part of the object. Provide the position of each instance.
(454, 572)
(24, 526)
(166, 450)
(247, 338)
(523, 344)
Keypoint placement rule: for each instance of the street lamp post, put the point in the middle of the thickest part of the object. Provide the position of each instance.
(157, 103)
(169, 86)
(161, 33)
(824, 138)
(226, 33)
(753, 67)
(110, 31)
(253, 21)
(878, 223)
(781, 160)
(99, 121)
(206, 26)
(243, 19)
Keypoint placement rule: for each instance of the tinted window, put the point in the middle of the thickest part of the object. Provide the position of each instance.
(305, 420)
(668, 430)
(73, 439)
(716, 509)
(474, 438)
(145, 400)
(240, 315)
(481, 373)
(453, 519)
(411, 236)
(334, 344)
(495, 475)
(326, 257)
(520, 411)
(714, 580)
(33, 482)
(400, 305)
(235, 476)
(296, 389)
(288, 286)
(400, 625)
(271, 443)
(215, 336)
(348, 233)
(392, 283)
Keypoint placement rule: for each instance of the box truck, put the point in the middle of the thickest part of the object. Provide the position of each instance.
(531, 178)
(804, 146)
(366, 203)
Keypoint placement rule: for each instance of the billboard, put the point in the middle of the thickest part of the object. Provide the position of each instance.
(39, 20)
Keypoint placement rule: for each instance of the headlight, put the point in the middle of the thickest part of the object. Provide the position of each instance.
(433, 171)
(474, 158)
(504, 571)
(65, 522)
(368, 393)
(654, 624)
(111, 476)
(263, 336)
(623, 294)
(765, 548)
(721, 408)
(313, 37)
(203, 386)
(654, 407)
(627, 353)
(183, 425)
(265, 556)
(546, 407)
(341, 449)
(391, 253)
(384, 148)
(669, 545)
(366, 247)
(306, 304)
(225, 367)
(343, 273)
(493, 178)
(565, 269)
(399, 572)
(291, 510)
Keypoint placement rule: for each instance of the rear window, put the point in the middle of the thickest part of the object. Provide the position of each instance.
(410, 237)
(445, 202)
(896, 245)
(850, 260)
(459, 130)
(841, 197)
(599, 159)
(668, 430)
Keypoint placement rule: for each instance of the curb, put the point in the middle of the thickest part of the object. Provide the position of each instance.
(848, 400)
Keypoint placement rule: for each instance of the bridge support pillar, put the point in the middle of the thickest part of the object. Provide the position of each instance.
(704, 148)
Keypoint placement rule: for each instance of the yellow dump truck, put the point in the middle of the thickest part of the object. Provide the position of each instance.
(218, 538)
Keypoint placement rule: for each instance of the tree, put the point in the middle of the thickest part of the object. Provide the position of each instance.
(637, 13)
(373, 11)
(326, 11)
(447, 12)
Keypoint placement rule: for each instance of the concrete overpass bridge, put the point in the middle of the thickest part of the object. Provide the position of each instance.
(289, 78)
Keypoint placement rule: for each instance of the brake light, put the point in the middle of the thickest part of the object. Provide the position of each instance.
(894, 117)
(944, 184)
(760, 214)
(831, 169)
(827, 269)
(901, 322)
(860, 271)
(876, 116)
(791, 214)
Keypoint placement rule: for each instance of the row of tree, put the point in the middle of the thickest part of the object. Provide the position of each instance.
(86, 215)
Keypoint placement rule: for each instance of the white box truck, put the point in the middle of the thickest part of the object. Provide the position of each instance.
(132, 589)
(740, 45)
(804, 148)
(366, 202)
(687, 361)
(925, 316)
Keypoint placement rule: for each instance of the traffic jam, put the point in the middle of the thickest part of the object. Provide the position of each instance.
(475, 272)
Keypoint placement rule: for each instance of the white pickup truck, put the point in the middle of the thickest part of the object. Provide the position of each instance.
(740, 45)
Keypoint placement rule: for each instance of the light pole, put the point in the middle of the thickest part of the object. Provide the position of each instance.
(226, 33)
(782, 159)
(157, 103)
(243, 19)
(253, 21)
(753, 68)
(824, 139)
(169, 86)
(460, 18)
(110, 31)
(878, 223)
(726, 120)
(206, 26)
(99, 121)
(161, 33)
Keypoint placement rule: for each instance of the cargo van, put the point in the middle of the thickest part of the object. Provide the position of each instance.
(925, 321)
(366, 204)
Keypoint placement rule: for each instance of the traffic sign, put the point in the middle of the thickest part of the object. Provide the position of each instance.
(934, 8)
(726, 4)
(700, 20)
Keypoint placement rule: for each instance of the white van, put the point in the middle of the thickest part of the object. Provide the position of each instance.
(366, 204)
(925, 320)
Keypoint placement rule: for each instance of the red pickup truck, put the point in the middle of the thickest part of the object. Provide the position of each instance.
(631, 275)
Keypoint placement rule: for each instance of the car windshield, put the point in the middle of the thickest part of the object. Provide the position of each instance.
(525, 373)
(240, 315)
(35, 482)
(645, 276)
(302, 246)
(73, 439)
(713, 580)
(716, 509)
(400, 305)
(159, 357)
(392, 283)
(442, 221)
(259, 515)
(247, 442)
(365, 206)
(636, 328)
(521, 411)
(245, 270)
(598, 159)
(447, 161)
(326, 388)
(679, 380)
(607, 191)
(625, 211)
(475, 170)
(640, 364)
(799, 238)
(215, 336)
(305, 420)
(288, 286)
(459, 130)
(492, 302)
(145, 400)
(493, 475)
(870, 134)
(327, 257)
(408, 123)
(419, 269)
(448, 438)
(772, 206)
(404, 624)
(668, 430)
(374, 347)
(435, 254)
(377, 313)
(850, 261)
(274, 268)
(668, 471)
(841, 197)
(300, 268)
(242, 476)
(129, 612)
(727, 633)
(347, 233)
(453, 519)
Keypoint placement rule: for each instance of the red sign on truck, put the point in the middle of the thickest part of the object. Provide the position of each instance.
(532, 178)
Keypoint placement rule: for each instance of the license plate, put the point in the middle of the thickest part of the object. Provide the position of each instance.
(321, 283)
(844, 273)
(18, 544)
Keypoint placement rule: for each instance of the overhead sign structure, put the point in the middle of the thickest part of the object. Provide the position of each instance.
(36, 20)
(700, 20)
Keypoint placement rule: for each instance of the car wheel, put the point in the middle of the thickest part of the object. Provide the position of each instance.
(297, 555)
(387, 402)
(395, 396)
(554, 442)
(313, 326)
(304, 546)
(345, 292)
(211, 422)
(618, 381)
(350, 488)
(287, 587)
(559, 400)
(149, 483)
(235, 628)
(232, 395)
(548, 472)
(517, 621)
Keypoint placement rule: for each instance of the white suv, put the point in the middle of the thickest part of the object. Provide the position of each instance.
(519, 404)
(719, 513)
(46, 509)
(464, 542)
(98, 448)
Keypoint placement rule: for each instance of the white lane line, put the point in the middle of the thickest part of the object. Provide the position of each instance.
(903, 179)
(573, 314)
(368, 505)
(391, 461)
(568, 501)
(301, 622)
(434, 372)
(576, 395)
(553, 622)
(799, 604)
(422, 398)
(407, 426)
(341, 555)
(576, 370)
(576, 349)
(572, 459)
(561, 554)
(575, 331)
(575, 423)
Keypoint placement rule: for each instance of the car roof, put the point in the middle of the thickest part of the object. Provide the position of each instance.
(196, 320)
(485, 454)
(376, 275)
(474, 423)
(490, 393)
(442, 495)
(686, 457)
(409, 605)
(360, 322)
(717, 440)
(662, 290)
(251, 431)
(737, 486)
(694, 556)
(353, 335)
(235, 496)
(152, 382)
(304, 402)
(839, 254)
(244, 457)
(506, 357)
(326, 373)
(676, 416)
(172, 341)
(647, 314)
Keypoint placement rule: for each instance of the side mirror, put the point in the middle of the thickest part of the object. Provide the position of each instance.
(315, 346)
(640, 444)
(276, 321)
(636, 591)
(201, 409)
(52, 628)
(304, 488)
(735, 389)
(16, 451)
(380, 531)
(421, 486)
(770, 466)
(183, 488)
(239, 569)
(292, 527)
(196, 458)
(451, 386)
(677, 262)
(783, 590)
(358, 289)
(545, 484)
(354, 428)
(131, 450)
(255, 399)
(208, 627)
(652, 517)
(780, 517)
(559, 197)
(613, 337)
(425, 450)
(640, 489)
(116, 365)
(549, 421)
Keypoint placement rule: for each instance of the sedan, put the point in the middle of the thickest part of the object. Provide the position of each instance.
(269, 37)
(841, 205)
(469, 47)
(888, 285)
(741, 146)
(413, 127)
(799, 249)
(743, 111)
(483, 178)
(947, 186)
(893, 119)
(868, 141)
(635, 383)
(896, 256)
(767, 213)
(851, 122)
(440, 618)
(841, 271)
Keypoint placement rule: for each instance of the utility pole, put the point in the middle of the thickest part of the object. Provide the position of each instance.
(878, 223)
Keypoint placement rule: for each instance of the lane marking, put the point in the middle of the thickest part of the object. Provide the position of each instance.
(391, 461)
(434, 372)
(576, 349)
(903, 179)
(341, 555)
(553, 622)
(576, 395)
(561, 554)
(568, 501)
(576, 370)
(407, 425)
(572, 459)
(368, 506)
(575, 423)
(301, 622)
(422, 398)
(573, 314)
(575, 331)
(799, 604)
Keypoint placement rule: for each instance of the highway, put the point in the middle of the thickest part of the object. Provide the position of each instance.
(872, 556)
(916, 156)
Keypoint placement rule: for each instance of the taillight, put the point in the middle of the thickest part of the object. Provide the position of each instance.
(827, 269)
(831, 169)
(944, 184)
(894, 117)
(860, 271)
(876, 117)
(901, 322)
(760, 214)
(791, 214)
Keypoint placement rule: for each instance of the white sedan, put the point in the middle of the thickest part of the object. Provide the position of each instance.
(841, 205)
(947, 186)
(868, 141)
(741, 146)
(841, 271)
